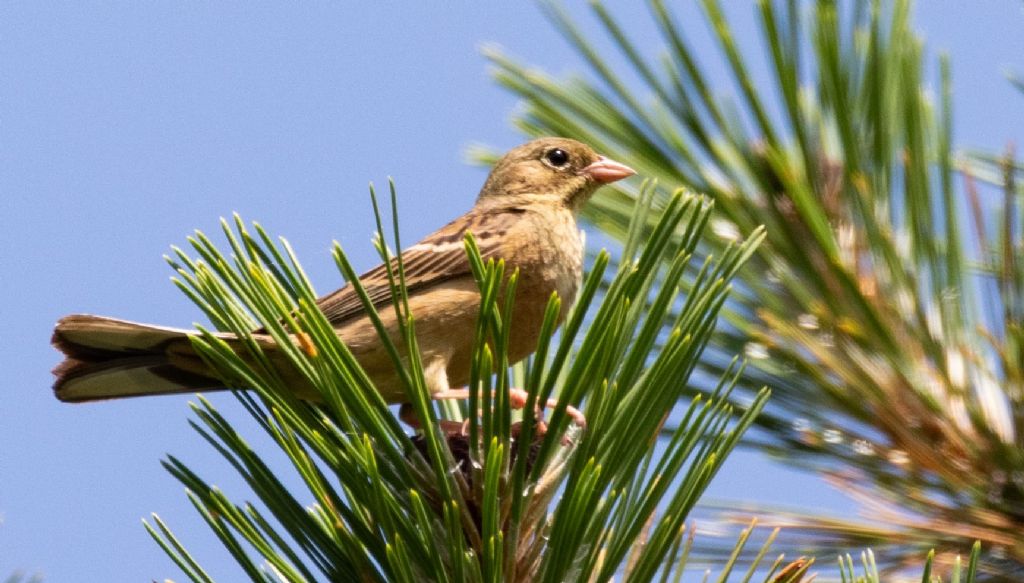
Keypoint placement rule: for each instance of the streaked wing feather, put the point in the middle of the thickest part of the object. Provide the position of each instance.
(439, 257)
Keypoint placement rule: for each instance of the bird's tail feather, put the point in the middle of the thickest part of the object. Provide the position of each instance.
(109, 359)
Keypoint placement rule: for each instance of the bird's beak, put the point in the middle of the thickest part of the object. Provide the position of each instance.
(605, 170)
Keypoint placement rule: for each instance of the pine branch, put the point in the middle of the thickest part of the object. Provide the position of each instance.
(506, 499)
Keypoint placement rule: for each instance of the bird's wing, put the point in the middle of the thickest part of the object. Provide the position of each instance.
(439, 257)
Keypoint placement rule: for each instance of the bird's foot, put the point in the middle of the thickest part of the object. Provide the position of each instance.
(517, 400)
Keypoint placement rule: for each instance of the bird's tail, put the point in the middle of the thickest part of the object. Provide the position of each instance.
(110, 359)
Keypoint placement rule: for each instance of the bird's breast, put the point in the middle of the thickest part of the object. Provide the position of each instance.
(549, 255)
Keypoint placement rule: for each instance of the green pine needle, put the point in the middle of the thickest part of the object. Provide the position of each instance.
(517, 503)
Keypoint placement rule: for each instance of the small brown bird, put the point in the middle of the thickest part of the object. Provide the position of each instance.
(525, 214)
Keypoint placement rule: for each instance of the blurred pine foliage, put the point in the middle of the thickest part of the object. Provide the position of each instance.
(885, 308)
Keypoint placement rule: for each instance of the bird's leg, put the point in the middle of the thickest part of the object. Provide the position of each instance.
(437, 383)
(436, 375)
(517, 399)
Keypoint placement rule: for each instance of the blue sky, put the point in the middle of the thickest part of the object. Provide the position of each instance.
(123, 127)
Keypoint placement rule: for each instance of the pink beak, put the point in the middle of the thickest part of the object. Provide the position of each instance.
(605, 170)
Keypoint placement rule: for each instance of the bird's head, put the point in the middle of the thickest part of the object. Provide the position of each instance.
(550, 168)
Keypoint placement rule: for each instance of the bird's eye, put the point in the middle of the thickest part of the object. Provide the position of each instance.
(557, 157)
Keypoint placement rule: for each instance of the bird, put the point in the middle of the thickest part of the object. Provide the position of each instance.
(525, 214)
